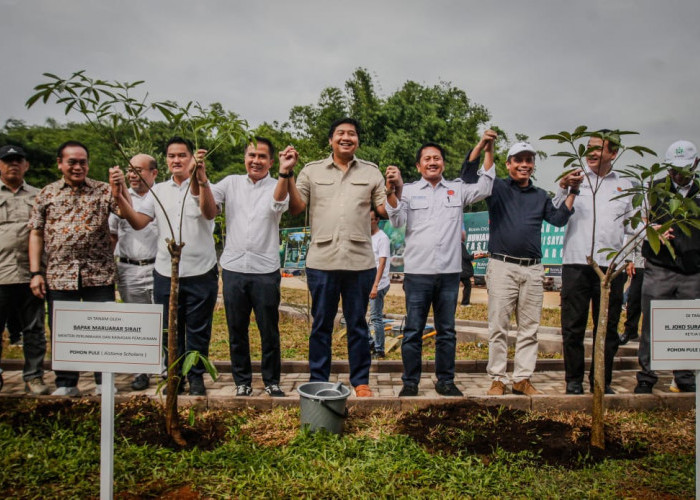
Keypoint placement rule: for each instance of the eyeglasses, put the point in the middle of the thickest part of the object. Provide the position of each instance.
(72, 162)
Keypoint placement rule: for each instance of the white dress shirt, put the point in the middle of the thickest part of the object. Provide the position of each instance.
(133, 244)
(433, 218)
(610, 214)
(252, 224)
(198, 254)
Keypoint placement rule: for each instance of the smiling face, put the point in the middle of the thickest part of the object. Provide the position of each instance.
(344, 141)
(145, 165)
(600, 160)
(180, 161)
(73, 164)
(258, 161)
(520, 167)
(431, 164)
(12, 170)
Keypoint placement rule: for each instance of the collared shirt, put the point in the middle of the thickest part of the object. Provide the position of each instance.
(198, 254)
(381, 246)
(76, 234)
(133, 244)
(610, 214)
(516, 215)
(339, 203)
(252, 224)
(433, 218)
(15, 209)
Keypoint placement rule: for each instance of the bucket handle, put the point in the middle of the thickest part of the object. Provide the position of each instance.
(333, 410)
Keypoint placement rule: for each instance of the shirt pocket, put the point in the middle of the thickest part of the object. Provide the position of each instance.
(418, 208)
(453, 206)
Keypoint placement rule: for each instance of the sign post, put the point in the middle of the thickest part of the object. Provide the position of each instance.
(111, 338)
(675, 345)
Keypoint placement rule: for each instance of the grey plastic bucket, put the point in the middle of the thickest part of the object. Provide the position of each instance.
(323, 406)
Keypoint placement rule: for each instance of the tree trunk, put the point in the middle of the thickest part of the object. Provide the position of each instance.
(172, 422)
(598, 425)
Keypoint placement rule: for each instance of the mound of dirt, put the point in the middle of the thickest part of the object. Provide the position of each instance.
(468, 427)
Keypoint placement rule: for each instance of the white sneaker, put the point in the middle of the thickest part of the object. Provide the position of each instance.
(66, 391)
(98, 390)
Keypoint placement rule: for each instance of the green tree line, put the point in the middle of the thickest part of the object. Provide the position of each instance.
(393, 128)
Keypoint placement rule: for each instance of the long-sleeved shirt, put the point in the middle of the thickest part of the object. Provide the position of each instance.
(610, 214)
(516, 214)
(252, 224)
(433, 219)
(134, 244)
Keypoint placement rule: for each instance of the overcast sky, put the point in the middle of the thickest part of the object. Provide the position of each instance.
(538, 66)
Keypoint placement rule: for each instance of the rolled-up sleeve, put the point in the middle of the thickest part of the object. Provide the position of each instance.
(471, 193)
(397, 215)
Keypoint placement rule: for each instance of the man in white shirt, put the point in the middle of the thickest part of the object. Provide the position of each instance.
(381, 246)
(250, 261)
(431, 209)
(193, 209)
(580, 283)
(135, 251)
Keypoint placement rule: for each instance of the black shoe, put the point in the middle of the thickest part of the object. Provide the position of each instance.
(273, 390)
(685, 387)
(243, 390)
(379, 355)
(626, 337)
(608, 390)
(574, 388)
(643, 387)
(372, 349)
(448, 389)
(197, 387)
(140, 382)
(408, 390)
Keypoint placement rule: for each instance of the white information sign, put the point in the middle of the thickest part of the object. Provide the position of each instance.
(675, 334)
(107, 337)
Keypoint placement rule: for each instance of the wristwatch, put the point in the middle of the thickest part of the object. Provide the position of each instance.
(389, 191)
(286, 176)
(573, 190)
(35, 273)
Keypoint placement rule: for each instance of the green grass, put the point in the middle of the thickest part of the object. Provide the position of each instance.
(59, 458)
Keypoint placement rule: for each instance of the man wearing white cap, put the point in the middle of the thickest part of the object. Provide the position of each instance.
(666, 277)
(515, 274)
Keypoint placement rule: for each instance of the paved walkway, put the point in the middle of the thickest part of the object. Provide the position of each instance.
(386, 383)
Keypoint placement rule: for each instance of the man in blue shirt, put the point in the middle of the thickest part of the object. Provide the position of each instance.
(515, 274)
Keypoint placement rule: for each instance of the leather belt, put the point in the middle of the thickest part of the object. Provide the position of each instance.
(515, 260)
(144, 262)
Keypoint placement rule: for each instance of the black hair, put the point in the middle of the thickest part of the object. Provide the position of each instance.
(265, 141)
(340, 121)
(71, 144)
(179, 140)
(430, 145)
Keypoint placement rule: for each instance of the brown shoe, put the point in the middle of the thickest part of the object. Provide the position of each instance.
(363, 391)
(526, 388)
(498, 388)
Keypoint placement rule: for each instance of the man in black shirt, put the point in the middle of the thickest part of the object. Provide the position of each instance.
(667, 277)
(515, 274)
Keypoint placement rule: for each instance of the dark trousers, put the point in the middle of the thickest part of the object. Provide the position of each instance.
(634, 303)
(580, 288)
(84, 294)
(663, 284)
(422, 291)
(467, 291)
(195, 310)
(17, 301)
(243, 294)
(327, 288)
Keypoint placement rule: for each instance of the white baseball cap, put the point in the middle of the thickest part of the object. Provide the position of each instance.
(681, 154)
(519, 147)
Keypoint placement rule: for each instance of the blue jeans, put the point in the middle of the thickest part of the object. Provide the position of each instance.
(376, 318)
(327, 287)
(195, 310)
(243, 294)
(422, 290)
